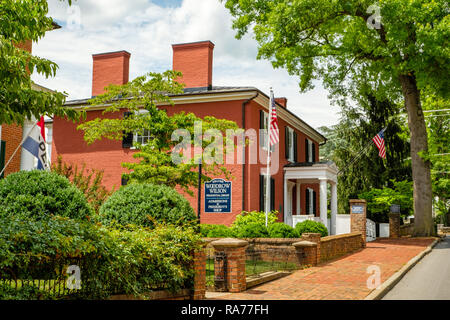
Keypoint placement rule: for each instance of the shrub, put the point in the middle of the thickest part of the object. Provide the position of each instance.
(251, 230)
(132, 260)
(281, 230)
(88, 181)
(40, 194)
(310, 226)
(142, 204)
(215, 231)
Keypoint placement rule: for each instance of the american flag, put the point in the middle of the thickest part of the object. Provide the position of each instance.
(274, 132)
(379, 141)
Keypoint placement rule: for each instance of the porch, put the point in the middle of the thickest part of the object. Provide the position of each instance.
(305, 178)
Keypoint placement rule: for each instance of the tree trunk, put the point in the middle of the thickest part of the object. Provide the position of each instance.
(423, 222)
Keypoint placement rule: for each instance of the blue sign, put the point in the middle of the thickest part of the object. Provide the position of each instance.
(218, 196)
(357, 208)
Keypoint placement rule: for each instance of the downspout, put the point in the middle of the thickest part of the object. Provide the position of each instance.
(243, 148)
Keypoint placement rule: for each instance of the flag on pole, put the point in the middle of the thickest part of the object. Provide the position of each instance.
(379, 142)
(274, 132)
(36, 145)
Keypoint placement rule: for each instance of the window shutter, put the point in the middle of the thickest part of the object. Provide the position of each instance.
(307, 201)
(295, 147)
(124, 181)
(306, 150)
(127, 140)
(313, 152)
(2, 157)
(286, 143)
(272, 194)
(314, 203)
(261, 192)
(261, 129)
(261, 119)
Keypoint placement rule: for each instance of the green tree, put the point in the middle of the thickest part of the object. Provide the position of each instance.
(362, 169)
(156, 165)
(332, 40)
(22, 21)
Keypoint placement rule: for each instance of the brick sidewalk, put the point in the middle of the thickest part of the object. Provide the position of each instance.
(344, 278)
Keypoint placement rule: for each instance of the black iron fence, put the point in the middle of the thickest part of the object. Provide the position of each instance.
(269, 259)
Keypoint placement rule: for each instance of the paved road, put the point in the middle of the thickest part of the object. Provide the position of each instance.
(429, 279)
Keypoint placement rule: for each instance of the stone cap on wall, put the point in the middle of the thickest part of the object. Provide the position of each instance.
(305, 243)
(229, 243)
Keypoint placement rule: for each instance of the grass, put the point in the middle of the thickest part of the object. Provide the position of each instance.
(252, 267)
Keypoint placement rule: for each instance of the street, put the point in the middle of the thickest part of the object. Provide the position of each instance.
(429, 279)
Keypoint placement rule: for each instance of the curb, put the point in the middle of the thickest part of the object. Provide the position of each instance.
(386, 286)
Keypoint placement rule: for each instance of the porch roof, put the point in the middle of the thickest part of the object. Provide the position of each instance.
(324, 170)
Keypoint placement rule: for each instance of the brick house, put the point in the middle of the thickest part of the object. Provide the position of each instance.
(11, 135)
(298, 189)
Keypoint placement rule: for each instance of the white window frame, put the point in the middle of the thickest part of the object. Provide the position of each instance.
(290, 138)
(136, 135)
(310, 151)
(311, 201)
(264, 134)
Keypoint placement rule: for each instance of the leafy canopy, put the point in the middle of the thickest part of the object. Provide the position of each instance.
(151, 93)
(23, 21)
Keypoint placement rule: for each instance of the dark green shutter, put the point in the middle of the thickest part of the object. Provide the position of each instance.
(124, 181)
(313, 152)
(261, 192)
(307, 201)
(286, 144)
(295, 147)
(314, 203)
(306, 151)
(2, 157)
(127, 140)
(261, 119)
(272, 194)
(261, 128)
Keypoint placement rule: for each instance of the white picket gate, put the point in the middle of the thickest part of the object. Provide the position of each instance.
(371, 230)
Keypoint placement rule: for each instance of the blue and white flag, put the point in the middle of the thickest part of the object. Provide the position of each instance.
(36, 145)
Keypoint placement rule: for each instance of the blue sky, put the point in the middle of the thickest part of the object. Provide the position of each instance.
(147, 29)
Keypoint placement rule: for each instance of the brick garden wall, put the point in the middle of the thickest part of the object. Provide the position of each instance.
(330, 247)
(335, 246)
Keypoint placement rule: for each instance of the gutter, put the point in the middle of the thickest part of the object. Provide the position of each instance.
(243, 148)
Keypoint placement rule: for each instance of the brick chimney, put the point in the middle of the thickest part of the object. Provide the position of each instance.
(195, 61)
(109, 68)
(282, 101)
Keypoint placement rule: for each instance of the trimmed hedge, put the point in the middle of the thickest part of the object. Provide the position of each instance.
(142, 204)
(215, 231)
(310, 226)
(281, 230)
(40, 194)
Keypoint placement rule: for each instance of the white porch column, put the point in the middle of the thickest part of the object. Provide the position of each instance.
(323, 202)
(285, 205)
(297, 188)
(333, 207)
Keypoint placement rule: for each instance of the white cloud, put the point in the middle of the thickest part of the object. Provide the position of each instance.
(147, 31)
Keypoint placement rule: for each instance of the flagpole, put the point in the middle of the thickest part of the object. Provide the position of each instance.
(268, 158)
(15, 151)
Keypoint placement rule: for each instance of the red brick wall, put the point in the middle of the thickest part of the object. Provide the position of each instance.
(332, 247)
(12, 134)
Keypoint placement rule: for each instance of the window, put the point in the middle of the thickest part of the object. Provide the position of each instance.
(291, 144)
(310, 201)
(263, 133)
(262, 193)
(142, 137)
(310, 151)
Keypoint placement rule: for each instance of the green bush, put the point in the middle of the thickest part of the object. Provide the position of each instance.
(40, 194)
(142, 204)
(310, 226)
(215, 231)
(251, 230)
(131, 260)
(281, 230)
